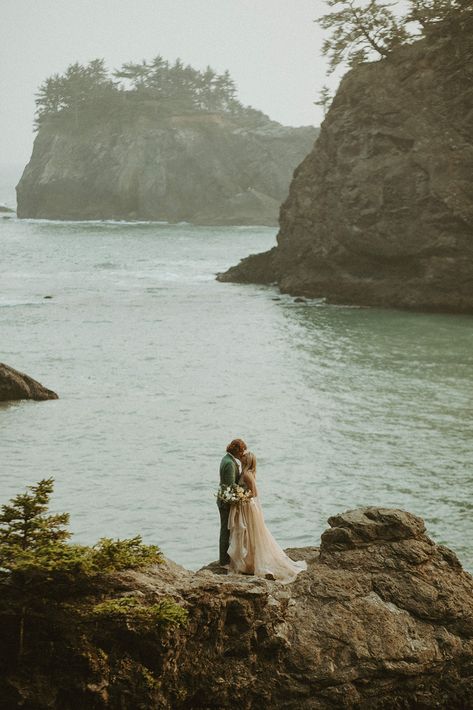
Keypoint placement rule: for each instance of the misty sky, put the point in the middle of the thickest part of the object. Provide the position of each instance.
(271, 47)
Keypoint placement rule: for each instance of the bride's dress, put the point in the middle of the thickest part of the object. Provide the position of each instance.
(253, 550)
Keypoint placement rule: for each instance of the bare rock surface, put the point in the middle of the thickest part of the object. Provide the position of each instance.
(200, 168)
(382, 619)
(381, 211)
(16, 385)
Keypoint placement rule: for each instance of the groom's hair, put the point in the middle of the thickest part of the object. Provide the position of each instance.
(236, 447)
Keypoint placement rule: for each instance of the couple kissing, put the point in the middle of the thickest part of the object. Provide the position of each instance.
(246, 545)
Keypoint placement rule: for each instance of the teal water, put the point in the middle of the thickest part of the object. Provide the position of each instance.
(158, 366)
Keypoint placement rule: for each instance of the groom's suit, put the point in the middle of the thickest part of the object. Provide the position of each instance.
(229, 473)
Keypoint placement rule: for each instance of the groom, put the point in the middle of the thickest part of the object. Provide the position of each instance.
(230, 469)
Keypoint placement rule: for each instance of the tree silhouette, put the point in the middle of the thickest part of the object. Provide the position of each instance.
(39, 567)
(79, 86)
(446, 19)
(88, 92)
(359, 30)
(325, 99)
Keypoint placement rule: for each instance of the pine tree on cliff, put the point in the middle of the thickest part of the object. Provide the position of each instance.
(359, 30)
(447, 20)
(27, 538)
(87, 93)
(363, 29)
(325, 99)
(49, 98)
(39, 569)
(79, 86)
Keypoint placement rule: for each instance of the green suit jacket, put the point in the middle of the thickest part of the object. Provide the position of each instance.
(229, 471)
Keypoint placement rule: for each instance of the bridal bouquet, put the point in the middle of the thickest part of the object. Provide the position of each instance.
(234, 494)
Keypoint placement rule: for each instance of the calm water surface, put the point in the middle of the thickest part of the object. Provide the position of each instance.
(158, 366)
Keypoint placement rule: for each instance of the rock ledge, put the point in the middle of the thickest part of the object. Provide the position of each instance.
(382, 619)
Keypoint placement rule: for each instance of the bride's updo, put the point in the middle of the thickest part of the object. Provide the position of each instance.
(248, 461)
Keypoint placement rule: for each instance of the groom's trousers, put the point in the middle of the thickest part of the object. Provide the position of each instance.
(224, 510)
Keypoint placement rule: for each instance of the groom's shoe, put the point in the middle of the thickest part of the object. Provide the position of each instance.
(220, 569)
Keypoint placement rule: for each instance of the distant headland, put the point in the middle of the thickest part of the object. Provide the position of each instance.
(156, 141)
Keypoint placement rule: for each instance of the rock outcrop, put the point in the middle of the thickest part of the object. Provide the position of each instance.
(202, 168)
(381, 211)
(16, 385)
(382, 619)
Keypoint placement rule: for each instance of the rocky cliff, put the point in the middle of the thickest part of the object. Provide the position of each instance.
(383, 618)
(202, 168)
(381, 211)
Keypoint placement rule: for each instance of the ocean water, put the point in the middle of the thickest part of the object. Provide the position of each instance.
(158, 366)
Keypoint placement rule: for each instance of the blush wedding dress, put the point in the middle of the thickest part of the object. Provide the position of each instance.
(252, 549)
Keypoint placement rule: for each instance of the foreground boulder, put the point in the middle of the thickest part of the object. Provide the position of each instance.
(383, 618)
(16, 385)
(381, 211)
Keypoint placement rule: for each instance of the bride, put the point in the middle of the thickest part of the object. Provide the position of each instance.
(253, 550)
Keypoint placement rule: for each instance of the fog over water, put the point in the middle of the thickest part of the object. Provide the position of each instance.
(271, 47)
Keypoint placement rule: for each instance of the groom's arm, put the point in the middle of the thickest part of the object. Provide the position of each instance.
(227, 474)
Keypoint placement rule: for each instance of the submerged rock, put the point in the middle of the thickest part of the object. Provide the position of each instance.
(202, 168)
(381, 211)
(383, 618)
(16, 385)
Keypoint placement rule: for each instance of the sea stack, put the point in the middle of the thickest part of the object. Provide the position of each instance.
(173, 144)
(381, 211)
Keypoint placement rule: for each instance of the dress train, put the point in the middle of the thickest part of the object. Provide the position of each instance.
(253, 550)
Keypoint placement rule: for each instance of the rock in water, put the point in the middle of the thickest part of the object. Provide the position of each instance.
(381, 620)
(201, 168)
(381, 211)
(16, 385)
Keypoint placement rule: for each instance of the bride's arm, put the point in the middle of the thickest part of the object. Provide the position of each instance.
(251, 483)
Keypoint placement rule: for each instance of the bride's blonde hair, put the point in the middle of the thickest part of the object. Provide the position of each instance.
(248, 461)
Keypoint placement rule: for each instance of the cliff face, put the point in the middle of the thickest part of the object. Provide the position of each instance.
(381, 211)
(382, 619)
(201, 168)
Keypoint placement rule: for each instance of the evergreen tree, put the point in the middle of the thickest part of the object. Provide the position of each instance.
(206, 93)
(77, 87)
(325, 99)
(446, 19)
(359, 29)
(29, 537)
(137, 74)
(88, 92)
(49, 98)
(25, 528)
(39, 568)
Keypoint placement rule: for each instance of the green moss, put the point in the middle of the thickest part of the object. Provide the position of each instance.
(133, 613)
